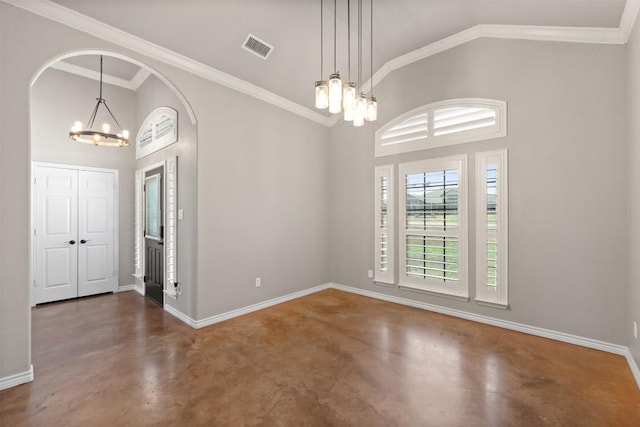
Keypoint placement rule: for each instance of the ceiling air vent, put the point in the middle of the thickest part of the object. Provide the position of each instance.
(257, 46)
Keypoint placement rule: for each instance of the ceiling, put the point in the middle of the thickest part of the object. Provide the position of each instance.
(212, 31)
(112, 66)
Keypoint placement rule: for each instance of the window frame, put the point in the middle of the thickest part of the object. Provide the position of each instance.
(460, 290)
(387, 276)
(150, 125)
(431, 141)
(498, 297)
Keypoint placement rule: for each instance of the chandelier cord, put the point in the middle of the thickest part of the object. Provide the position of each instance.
(349, 40)
(321, 37)
(335, 13)
(360, 44)
(102, 101)
(371, 45)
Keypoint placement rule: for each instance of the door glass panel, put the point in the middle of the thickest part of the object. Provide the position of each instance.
(153, 215)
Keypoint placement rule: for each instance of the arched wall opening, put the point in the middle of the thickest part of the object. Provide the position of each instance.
(54, 91)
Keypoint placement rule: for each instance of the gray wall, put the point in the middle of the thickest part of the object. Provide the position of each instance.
(262, 186)
(567, 183)
(154, 93)
(58, 99)
(633, 166)
(262, 201)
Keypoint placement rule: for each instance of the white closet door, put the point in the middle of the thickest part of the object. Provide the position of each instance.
(56, 216)
(95, 231)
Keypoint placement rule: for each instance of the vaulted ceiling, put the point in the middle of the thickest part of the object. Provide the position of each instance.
(212, 31)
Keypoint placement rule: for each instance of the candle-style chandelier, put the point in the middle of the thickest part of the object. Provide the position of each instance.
(100, 136)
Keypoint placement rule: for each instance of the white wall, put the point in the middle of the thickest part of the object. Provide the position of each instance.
(58, 99)
(567, 183)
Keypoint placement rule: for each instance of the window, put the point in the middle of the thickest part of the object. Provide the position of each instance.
(433, 226)
(491, 228)
(159, 130)
(384, 223)
(443, 123)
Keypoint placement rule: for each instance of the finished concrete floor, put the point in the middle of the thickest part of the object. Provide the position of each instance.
(328, 359)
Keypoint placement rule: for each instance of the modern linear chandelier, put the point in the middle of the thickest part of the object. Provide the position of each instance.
(335, 95)
(100, 137)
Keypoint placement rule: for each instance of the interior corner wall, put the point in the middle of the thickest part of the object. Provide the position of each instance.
(567, 178)
(633, 167)
(262, 201)
(152, 94)
(57, 99)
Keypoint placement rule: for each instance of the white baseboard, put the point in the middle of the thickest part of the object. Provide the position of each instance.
(180, 315)
(519, 327)
(531, 330)
(16, 379)
(138, 289)
(255, 307)
(126, 288)
(633, 366)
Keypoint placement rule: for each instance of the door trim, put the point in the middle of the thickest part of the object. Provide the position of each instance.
(116, 224)
(169, 222)
(139, 286)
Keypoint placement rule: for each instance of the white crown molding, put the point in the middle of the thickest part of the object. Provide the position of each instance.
(93, 75)
(141, 76)
(629, 16)
(16, 379)
(78, 21)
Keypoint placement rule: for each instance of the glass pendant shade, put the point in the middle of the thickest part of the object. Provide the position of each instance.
(349, 101)
(361, 111)
(322, 94)
(335, 93)
(372, 109)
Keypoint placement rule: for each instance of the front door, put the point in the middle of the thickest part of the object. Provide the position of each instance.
(154, 235)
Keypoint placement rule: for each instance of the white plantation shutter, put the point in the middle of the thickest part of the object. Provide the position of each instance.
(412, 129)
(171, 235)
(433, 230)
(443, 123)
(138, 243)
(461, 119)
(384, 225)
(491, 229)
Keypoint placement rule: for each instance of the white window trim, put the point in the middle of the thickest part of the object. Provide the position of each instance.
(498, 297)
(431, 141)
(461, 289)
(388, 276)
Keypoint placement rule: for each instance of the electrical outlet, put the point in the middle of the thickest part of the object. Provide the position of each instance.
(370, 274)
(635, 329)
(258, 282)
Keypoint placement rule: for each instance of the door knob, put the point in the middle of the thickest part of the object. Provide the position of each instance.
(83, 241)
(72, 242)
